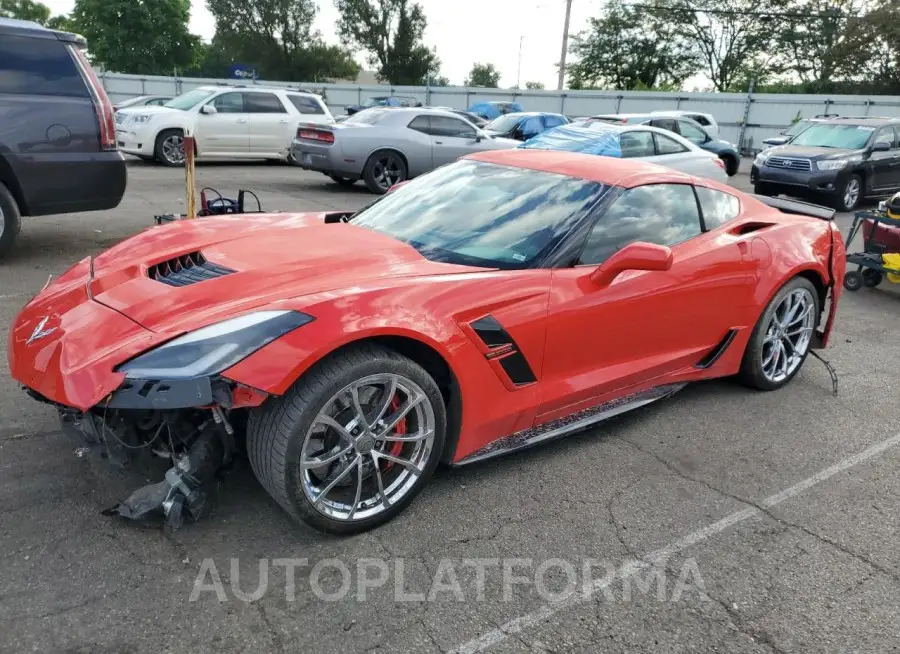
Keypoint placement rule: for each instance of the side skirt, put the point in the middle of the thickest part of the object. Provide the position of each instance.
(572, 423)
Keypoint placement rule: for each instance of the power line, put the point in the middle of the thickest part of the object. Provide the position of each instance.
(739, 12)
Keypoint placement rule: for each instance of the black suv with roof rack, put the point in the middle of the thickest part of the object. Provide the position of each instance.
(58, 151)
(840, 161)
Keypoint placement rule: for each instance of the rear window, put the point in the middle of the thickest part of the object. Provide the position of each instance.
(306, 105)
(368, 116)
(34, 66)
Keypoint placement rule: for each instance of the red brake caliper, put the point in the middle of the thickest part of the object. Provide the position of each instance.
(396, 447)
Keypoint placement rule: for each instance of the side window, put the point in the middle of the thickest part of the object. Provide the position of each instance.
(451, 127)
(886, 134)
(263, 103)
(664, 214)
(717, 207)
(229, 103)
(306, 105)
(664, 123)
(666, 145)
(691, 133)
(531, 127)
(156, 102)
(421, 124)
(38, 67)
(701, 119)
(553, 121)
(636, 144)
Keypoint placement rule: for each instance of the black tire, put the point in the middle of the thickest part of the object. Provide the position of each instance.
(388, 163)
(840, 201)
(763, 189)
(751, 373)
(731, 165)
(853, 280)
(346, 182)
(159, 147)
(277, 429)
(10, 220)
(872, 278)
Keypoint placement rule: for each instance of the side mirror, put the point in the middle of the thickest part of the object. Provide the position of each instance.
(635, 256)
(478, 137)
(881, 146)
(208, 109)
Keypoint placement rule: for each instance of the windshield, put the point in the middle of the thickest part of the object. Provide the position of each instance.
(503, 124)
(189, 100)
(477, 214)
(847, 137)
(374, 102)
(797, 127)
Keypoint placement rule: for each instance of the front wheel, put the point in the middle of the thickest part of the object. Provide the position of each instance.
(169, 149)
(781, 338)
(849, 195)
(731, 165)
(10, 220)
(352, 443)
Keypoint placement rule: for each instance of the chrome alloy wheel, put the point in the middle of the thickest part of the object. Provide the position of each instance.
(788, 335)
(851, 192)
(388, 171)
(173, 149)
(367, 447)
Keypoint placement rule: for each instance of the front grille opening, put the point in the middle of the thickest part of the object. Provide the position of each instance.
(186, 270)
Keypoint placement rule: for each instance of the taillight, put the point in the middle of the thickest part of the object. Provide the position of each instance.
(102, 106)
(322, 136)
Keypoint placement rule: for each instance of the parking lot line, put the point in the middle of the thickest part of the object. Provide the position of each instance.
(517, 625)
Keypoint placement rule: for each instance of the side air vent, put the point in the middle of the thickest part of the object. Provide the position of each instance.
(717, 351)
(186, 270)
(504, 350)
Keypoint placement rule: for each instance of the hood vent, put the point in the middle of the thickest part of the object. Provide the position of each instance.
(186, 270)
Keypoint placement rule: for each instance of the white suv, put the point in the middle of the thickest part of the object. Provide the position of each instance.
(227, 122)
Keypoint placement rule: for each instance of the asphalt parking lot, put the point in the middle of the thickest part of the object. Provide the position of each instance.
(771, 517)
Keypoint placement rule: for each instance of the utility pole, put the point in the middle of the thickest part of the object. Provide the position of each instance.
(519, 73)
(565, 47)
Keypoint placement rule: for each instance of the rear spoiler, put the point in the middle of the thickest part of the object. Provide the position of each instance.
(798, 208)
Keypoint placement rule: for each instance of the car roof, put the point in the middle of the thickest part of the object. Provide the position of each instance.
(678, 112)
(255, 87)
(17, 27)
(604, 170)
(868, 122)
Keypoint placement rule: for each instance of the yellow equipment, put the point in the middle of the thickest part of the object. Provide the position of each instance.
(893, 207)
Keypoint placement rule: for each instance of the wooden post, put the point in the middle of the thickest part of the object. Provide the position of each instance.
(190, 186)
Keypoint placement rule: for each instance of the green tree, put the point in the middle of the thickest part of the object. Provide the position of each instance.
(534, 85)
(33, 11)
(277, 38)
(150, 37)
(485, 75)
(731, 36)
(440, 80)
(391, 32)
(627, 47)
(880, 29)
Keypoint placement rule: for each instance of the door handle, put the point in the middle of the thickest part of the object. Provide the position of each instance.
(284, 122)
(439, 143)
(241, 121)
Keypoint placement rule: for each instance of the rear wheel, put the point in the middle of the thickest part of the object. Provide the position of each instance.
(384, 169)
(781, 338)
(169, 149)
(872, 278)
(352, 442)
(10, 220)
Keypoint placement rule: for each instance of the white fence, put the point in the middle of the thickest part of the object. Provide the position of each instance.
(744, 118)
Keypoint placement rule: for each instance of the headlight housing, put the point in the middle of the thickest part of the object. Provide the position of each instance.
(140, 119)
(831, 164)
(214, 348)
(761, 158)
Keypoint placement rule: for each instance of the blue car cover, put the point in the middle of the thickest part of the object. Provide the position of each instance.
(489, 111)
(575, 138)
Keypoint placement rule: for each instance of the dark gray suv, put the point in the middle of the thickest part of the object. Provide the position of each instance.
(58, 151)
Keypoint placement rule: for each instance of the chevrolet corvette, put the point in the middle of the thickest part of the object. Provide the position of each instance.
(490, 305)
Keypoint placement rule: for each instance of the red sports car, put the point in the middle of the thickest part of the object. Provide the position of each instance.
(499, 301)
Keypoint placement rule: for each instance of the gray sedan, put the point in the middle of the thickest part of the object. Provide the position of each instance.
(385, 146)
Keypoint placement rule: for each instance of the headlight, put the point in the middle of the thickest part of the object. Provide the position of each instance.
(831, 165)
(761, 158)
(141, 119)
(212, 349)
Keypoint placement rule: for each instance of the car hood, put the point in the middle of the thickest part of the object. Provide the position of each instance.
(274, 257)
(816, 154)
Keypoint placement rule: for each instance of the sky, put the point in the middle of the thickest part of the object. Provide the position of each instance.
(464, 32)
